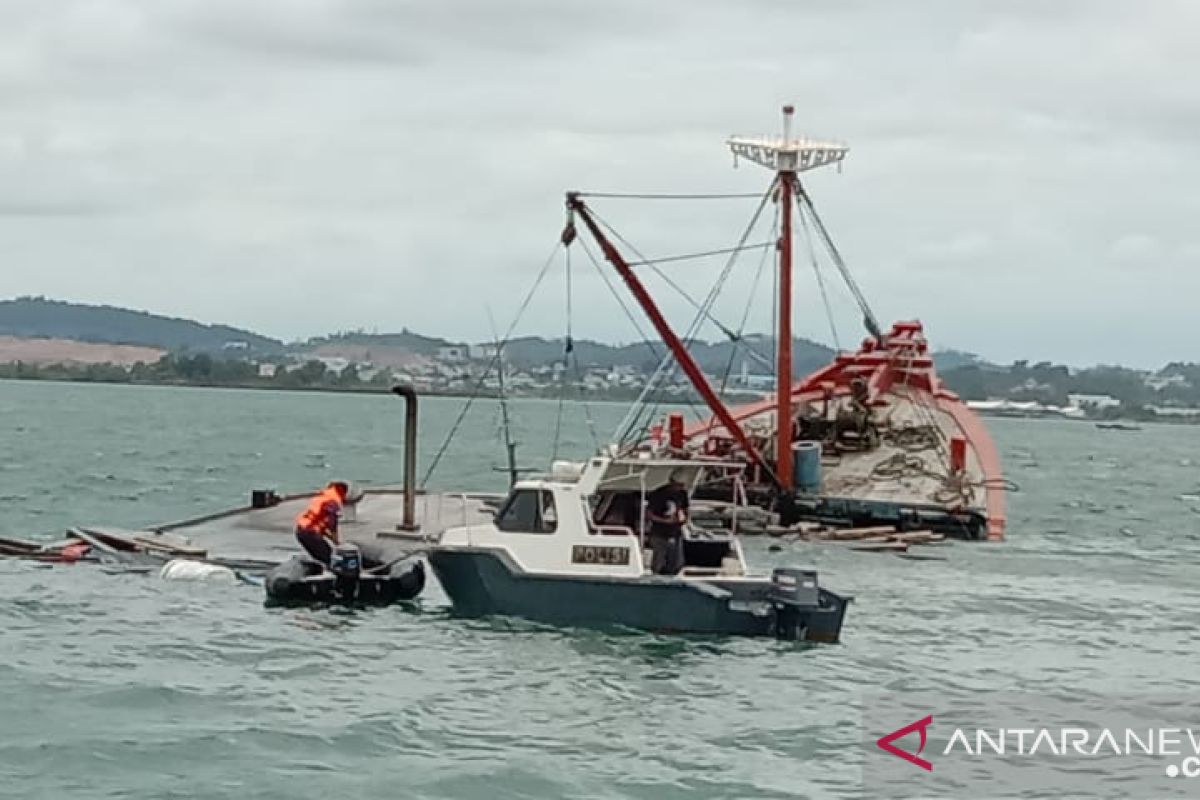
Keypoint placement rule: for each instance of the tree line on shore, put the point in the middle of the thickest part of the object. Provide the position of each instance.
(187, 370)
(205, 370)
(1051, 384)
(1177, 384)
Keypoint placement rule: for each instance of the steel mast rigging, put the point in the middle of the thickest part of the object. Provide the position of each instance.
(788, 156)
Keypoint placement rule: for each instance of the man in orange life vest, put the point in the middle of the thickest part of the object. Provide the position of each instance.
(317, 525)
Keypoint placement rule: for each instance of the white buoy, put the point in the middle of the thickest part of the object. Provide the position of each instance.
(181, 569)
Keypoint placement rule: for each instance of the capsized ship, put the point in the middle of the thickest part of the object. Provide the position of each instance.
(874, 438)
(877, 439)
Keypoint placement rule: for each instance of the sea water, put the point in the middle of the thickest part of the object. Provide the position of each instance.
(118, 685)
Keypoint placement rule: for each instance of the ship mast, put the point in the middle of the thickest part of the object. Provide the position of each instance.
(787, 156)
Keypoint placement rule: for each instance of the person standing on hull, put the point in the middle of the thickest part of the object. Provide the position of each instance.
(667, 508)
(317, 525)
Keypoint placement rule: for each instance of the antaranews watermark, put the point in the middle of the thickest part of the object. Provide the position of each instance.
(997, 745)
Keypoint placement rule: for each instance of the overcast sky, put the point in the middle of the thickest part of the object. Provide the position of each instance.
(1022, 176)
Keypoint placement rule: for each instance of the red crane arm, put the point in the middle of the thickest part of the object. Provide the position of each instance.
(682, 356)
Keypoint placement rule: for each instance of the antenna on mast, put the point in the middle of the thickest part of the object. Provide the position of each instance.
(785, 153)
(787, 156)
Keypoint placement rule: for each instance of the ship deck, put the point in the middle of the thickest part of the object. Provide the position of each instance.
(910, 466)
(261, 537)
(916, 472)
(905, 467)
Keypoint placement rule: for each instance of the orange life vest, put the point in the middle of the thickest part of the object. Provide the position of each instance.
(318, 517)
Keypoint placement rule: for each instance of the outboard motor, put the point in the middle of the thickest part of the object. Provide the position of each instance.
(346, 565)
(793, 591)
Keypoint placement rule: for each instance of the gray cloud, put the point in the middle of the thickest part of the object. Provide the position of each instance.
(1020, 174)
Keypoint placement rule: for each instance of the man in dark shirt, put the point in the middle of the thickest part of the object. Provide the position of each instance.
(667, 508)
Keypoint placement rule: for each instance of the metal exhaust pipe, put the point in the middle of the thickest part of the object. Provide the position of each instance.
(409, 394)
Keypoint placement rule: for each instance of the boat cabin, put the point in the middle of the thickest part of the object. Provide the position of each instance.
(590, 518)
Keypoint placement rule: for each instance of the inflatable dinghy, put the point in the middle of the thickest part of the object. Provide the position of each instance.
(353, 578)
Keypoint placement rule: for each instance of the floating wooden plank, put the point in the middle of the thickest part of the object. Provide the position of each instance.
(18, 547)
(882, 547)
(915, 537)
(101, 541)
(68, 550)
(168, 547)
(861, 533)
(121, 549)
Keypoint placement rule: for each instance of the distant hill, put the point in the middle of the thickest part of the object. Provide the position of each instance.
(532, 351)
(39, 318)
(953, 359)
(713, 357)
(412, 342)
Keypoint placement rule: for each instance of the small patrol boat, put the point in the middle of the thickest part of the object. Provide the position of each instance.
(352, 578)
(569, 548)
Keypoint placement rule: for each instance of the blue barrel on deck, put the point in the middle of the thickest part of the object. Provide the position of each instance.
(806, 466)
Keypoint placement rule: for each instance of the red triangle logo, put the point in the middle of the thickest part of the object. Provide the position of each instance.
(919, 726)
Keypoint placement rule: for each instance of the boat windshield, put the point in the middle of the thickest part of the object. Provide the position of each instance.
(528, 511)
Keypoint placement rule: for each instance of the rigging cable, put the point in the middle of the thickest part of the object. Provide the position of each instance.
(652, 262)
(491, 364)
(869, 320)
(617, 295)
(762, 263)
(632, 420)
(734, 338)
(640, 414)
(633, 319)
(587, 407)
(693, 329)
(653, 196)
(570, 358)
(812, 255)
(628, 313)
(702, 254)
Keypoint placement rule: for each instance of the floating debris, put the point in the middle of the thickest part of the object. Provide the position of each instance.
(196, 571)
(728, 519)
(104, 546)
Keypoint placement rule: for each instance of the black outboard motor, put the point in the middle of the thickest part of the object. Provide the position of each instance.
(346, 565)
(793, 593)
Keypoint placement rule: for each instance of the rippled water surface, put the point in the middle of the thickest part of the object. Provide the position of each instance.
(126, 686)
